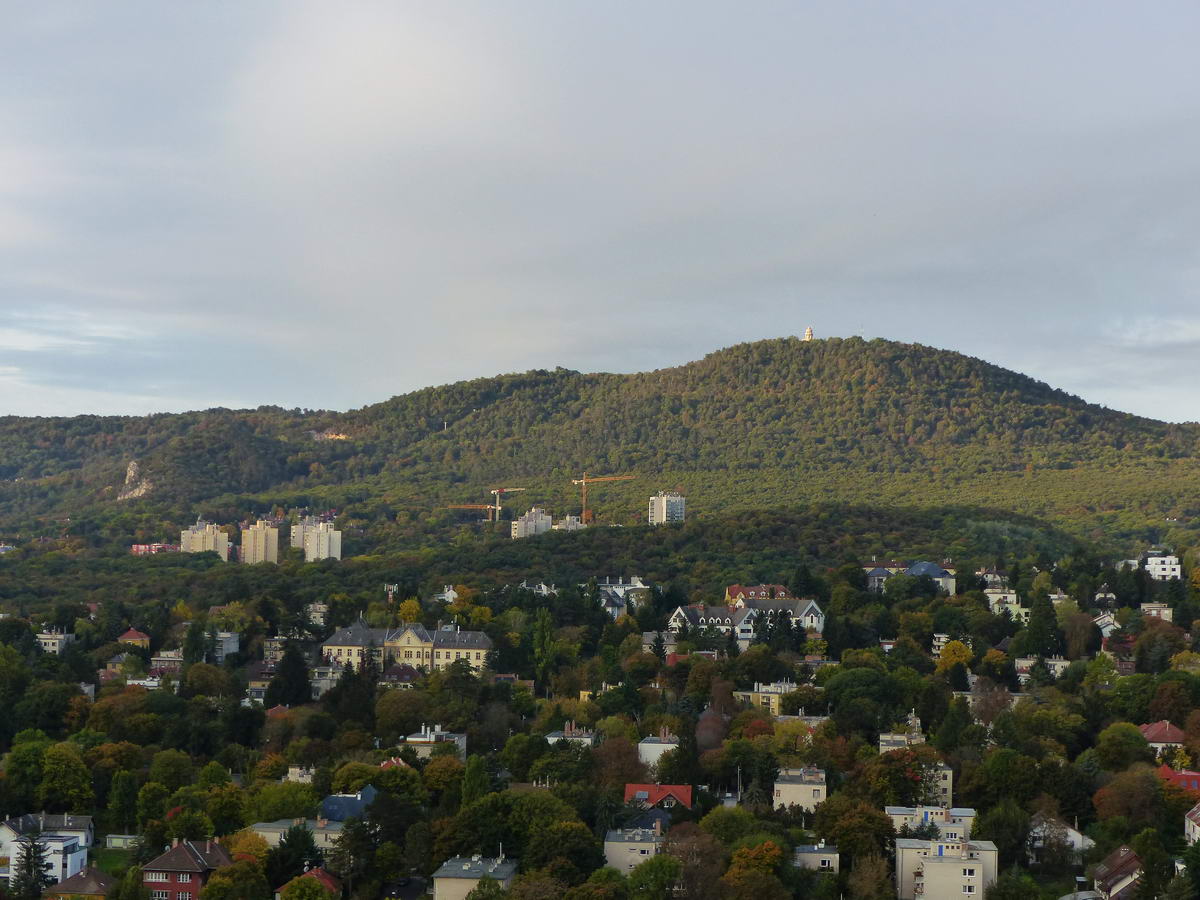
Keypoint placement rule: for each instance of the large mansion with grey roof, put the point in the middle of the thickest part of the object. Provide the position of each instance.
(413, 644)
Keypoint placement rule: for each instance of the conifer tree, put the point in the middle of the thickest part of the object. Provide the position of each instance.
(30, 872)
(289, 686)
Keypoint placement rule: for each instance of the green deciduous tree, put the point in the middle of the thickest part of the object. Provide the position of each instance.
(66, 782)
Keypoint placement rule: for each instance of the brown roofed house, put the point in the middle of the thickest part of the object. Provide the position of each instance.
(90, 884)
(181, 872)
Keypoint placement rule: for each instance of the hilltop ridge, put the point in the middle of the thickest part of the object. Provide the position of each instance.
(753, 425)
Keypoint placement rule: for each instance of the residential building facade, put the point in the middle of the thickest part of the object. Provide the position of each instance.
(536, 521)
(627, 848)
(204, 537)
(666, 507)
(260, 543)
(460, 875)
(413, 644)
(944, 868)
(182, 871)
(804, 787)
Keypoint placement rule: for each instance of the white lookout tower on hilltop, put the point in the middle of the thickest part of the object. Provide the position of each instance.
(808, 334)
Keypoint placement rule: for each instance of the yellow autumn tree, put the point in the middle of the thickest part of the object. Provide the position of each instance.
(410, 610)
(954, 652)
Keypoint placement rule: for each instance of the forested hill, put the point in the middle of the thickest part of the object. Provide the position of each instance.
(755, 425)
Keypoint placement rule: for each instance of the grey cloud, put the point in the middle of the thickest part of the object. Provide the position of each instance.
(403, 195)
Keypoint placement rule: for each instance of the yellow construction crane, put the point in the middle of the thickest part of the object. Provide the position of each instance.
(586, 514)
(499, 493)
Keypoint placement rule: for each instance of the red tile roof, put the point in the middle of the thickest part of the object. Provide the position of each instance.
(654, 794)
(133, 635)
(1184, 778)
(1161, 733)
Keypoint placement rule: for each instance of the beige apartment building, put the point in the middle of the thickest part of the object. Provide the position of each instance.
(952, 823)
(938, 870)
(203, 537)
(260, 543)
(804, 788)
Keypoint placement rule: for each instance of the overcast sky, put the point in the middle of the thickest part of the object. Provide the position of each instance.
(325, 204)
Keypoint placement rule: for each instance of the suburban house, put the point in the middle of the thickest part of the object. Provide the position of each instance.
(804, 788)
(953, 823)
(431, 737)
(89, 884)
(1001, 599)
(626, 848)
(879, 572)
(670, 640)
(340, 807)
(460, 875)
(1106, 622)
(54, 642)
(664, 796)
(725, 619)
(79, 827)
(1117, 874)
(1042, 828)
(651, 749)
(1024, 664)
(820, 856)
(1158, 611)
(616, 594)
(1162, 735)
(183, 870)
(766, 696)
(324, 831)
(572, 733)
(65, 854)
(1182, 778)
(412, 643)
(944, 868)
(1191, 825)
(135, 638)
(1161, 565)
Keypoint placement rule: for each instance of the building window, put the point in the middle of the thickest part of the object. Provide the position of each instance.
(968, 888)
(183, 877)
(183, 895)
(968, 873)
(160, 895)
(825, 864)
(155, 876)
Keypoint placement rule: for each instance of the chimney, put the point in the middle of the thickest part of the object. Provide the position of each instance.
(657, 826)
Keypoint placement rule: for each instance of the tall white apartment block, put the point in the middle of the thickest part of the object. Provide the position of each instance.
(666, 507)
(322, 541)
(536, 521)
(204, 536)
(260, 543)
(302, 528)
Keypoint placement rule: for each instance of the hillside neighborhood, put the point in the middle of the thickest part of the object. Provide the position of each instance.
(898, 728)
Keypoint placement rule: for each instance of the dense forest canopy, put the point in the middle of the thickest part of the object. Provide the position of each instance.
(753, 426)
